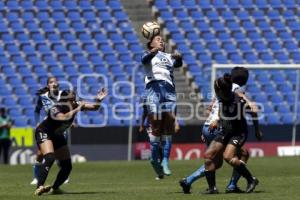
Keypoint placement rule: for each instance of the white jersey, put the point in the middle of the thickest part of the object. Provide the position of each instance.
(214, 114)
(237, 88)
(161, 67)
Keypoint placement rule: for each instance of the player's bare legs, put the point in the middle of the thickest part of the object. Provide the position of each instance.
(213, 161)
(36, 167)
(64, 157)
(47, 151)
(232, 187)
(230, 156)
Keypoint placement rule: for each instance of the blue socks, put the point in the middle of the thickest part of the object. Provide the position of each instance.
(154, 151)
(166, 146)
(155, 157)
(199, 173)
(196, 175)
(234, 179)
(36, 169)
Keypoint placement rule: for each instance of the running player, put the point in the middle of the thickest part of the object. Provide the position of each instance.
(47, 97)
(234, 134)
(210, 130)
(51, 141)
(160, 97)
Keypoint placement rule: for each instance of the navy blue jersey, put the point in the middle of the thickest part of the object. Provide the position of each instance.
(232, 119)
(53, 126)
(45, 103)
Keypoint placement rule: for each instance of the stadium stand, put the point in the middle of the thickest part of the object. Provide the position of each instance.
(245, 31)
(66, 39)
(71, 38)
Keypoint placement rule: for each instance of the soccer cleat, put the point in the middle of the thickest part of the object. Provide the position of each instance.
(211, 191)
(56, 191)
(251, 185)
(67, 181)
(166, 169)
(234, 190)
(157, 168)
(42, 189)
(185, 187)
(34, 181)
(159, 177)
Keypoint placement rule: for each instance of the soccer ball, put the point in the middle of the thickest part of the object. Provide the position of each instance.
(150, 29)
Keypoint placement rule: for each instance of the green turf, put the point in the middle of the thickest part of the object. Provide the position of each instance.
(279, 179)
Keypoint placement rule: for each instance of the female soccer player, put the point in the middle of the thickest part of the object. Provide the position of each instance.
(233, 137)
(239, 76)
(5, 141)
(47, 97)
(160, 99)
(51, 141)
(148, 129)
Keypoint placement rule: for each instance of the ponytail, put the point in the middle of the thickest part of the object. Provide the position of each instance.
(224, 83)
(227, 78)
(42, 91)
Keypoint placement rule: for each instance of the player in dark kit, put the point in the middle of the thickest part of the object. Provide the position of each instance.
(51, 141)
(234, 134)
(211, 128)
(47, 97)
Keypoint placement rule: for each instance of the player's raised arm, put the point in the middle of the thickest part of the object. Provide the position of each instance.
(95, 106)
(178, 60)
(148, 55)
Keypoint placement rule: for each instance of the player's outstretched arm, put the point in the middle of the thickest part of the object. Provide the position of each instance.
(95, 106)
(252, 105)
(57, 115)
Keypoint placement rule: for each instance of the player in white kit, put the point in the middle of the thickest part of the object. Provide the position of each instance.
(160, 100)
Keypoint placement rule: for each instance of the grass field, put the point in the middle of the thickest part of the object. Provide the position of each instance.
(279, 179)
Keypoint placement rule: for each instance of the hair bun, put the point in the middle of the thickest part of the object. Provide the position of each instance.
(227, 77)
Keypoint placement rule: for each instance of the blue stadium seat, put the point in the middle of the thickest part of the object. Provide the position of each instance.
(66, 38)
(273, 119)
(20, 122)
(287, 118)
(267, 108)
(282, 108)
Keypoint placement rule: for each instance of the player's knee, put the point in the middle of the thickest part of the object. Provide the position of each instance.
(233, 161)
(209, 165)
(49, 159)
(227, 158)
(245, 155)
(167, 138)
(208, 155)
(154, 139)
(156, 132)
